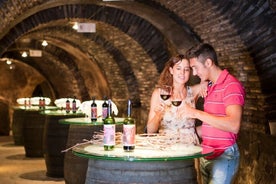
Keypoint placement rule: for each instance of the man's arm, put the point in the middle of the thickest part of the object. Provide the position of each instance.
(230, 122)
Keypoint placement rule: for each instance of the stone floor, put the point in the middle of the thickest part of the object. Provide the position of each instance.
(15, 168)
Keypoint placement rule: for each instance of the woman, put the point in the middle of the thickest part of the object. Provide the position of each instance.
(166, 118)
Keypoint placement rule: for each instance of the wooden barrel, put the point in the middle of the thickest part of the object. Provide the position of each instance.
(33, 129)
(147, 172)
(54, 141)
(17, 126)
(4, 119)
(75, 167)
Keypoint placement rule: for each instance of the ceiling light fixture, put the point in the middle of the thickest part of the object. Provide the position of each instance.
(75, 26)
(44, 43)
(24, 54)
(11, 67)
(9, 62)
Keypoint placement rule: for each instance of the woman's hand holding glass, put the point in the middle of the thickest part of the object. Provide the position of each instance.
(160, 109)
(165, 94)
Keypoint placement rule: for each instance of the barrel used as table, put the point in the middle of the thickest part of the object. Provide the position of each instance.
(75, 168)
(143, 165)
(17, 125)
(54, 141)
(18, 121)
(33, 129)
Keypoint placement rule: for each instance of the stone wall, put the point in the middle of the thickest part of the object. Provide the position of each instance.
(258, 158)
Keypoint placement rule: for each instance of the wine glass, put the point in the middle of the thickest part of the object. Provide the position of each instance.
(176, 100)
(165, 92)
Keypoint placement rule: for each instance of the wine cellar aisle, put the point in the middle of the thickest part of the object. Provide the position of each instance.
(16, 168)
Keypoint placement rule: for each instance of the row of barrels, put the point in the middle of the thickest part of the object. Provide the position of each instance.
(42, 135)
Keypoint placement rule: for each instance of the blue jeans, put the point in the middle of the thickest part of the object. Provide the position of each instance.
(221, 170)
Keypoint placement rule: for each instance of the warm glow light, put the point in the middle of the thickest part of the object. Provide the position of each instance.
(24, 54)
(75, 26)
(44, 43)
(8, 62)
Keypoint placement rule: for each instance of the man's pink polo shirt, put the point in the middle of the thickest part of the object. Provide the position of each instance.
(226, 91)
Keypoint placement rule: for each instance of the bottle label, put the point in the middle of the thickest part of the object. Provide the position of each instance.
(104, 112)
(74, 106)
(94, 112)
(67, 107)
(129, 135)
(40, 103)
(109, 135)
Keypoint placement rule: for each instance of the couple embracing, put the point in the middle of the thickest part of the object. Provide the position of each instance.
(224, 98)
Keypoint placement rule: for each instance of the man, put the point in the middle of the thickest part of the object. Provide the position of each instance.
(222, 115)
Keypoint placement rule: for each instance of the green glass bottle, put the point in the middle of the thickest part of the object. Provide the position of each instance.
(109, 130)
(129, 130)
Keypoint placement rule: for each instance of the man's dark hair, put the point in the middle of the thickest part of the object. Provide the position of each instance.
(203, 52)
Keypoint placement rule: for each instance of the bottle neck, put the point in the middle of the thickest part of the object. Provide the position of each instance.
(109, 113)
(129, 109)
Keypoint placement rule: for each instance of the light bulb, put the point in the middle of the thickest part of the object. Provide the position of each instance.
(24, 54)
(9, 62)
(44, 43)
(75, 26)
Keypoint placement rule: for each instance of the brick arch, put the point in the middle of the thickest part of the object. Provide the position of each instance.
(64, 36)
(158, 53)
(49, 67)
(144, 33)
(259, 17)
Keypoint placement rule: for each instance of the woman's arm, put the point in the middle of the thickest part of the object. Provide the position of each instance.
(199, 90)
(156, 112)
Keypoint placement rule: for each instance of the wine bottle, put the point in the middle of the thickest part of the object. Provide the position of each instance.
(25, 103)
(43, 103)
(67, 106)
(129, 130)
(30, 102)
(109, 130)
(104, 109)
(74, 105)
(93, 110)
(40, 103)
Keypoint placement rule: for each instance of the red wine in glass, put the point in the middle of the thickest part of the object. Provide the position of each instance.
(165, 97)
(165, 92)
(176, 102)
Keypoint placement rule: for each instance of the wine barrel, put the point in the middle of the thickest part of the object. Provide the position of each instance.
(17, 126)
(54, 141)
(4, 119)
(147, 172)
(33, 129)
(75, 167)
